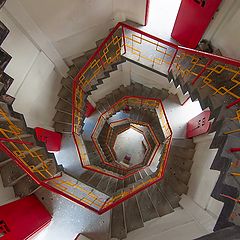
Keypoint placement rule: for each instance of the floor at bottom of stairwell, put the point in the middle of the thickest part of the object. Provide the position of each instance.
(129, 143)
(68, 220)
(179, 115)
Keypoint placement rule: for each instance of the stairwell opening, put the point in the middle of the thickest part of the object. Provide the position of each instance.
(161, 17)
(130, 147)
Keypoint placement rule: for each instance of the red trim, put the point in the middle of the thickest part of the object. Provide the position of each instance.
(147, 12)
(211, 56)
(56, 177)
(15, 141)
(50, 188)
(202, 71)
(231, 198)
(149, 35)
(124, 41)
(234, 149)
(174, 55)
(233, 103)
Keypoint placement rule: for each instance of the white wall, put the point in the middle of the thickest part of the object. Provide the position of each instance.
(73, 26)
(203, 179)
(123, 76)
(22, 50)
(224, 29)
(109, 84)
(148, 78)
(36, 83)
(129, 9)
(37, 96)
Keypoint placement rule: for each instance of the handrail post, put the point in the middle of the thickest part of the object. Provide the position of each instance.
(124, 40)
(174, 56)
(202, 71)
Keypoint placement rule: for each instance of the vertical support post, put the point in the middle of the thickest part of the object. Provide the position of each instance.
(174, 56)
(199, 75)
(101, 61)
(124, 40)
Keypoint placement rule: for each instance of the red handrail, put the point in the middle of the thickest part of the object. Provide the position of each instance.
(218, 58)
(149, 35)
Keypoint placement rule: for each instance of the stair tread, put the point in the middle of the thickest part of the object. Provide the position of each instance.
(25, 187)
(111, 188)
(86, 176)
(102, 185)
(95, 179)
(79, 62)
(185, 143)
(171, 196)
(118, 224)
(132, 214)
(147, 208)
(159, 201)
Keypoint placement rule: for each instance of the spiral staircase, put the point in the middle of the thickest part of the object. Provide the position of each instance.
(153, 187)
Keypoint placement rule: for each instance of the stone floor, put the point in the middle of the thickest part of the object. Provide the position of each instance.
(68, 220)
(130, 143)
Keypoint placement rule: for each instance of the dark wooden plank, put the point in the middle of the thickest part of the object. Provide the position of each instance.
(111, 188)
(102, 185)
(161, 204)
(147, 208)
(95, 179)
(132, 215)
(118, 225)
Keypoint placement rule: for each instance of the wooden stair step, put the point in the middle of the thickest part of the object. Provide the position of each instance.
(62, 128)
(179, 151)
(61, 117)
(147, 208)
(86, 176)
(64, 106)
(102, 186)
(73, 71)
(171, 196)
(118, 224)
(161, 204)
(185, 143)
(111, 188)
(95, 179)
(11, 173)
(26, 186)
(80, 62)
(132, 214)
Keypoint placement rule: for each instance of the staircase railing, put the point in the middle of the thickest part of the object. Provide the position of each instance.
(117, 106)
(144, 49)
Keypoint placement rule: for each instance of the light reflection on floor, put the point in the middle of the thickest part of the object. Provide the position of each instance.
(130, 143)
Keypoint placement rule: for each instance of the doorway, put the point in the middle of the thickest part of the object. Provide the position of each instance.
(161, 17)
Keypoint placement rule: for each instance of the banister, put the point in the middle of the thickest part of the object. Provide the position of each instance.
(149, 35)
(218, 58)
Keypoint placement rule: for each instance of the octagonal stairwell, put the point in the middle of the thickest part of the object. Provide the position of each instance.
(135, 196)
